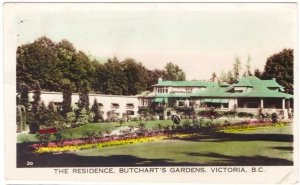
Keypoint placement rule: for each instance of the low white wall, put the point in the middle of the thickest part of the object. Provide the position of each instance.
(105, 100)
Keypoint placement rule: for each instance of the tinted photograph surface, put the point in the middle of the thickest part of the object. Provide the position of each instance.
(152, 85)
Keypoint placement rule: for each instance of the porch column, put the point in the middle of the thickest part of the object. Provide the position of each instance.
(261, 103)
(285, 111)
(283, 103)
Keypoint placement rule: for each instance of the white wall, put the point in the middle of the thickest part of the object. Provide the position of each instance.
(105, 100)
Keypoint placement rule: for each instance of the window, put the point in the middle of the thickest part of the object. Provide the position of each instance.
(181, 103)
(115, 106)
(188, 90)
(129, 106)
(130, 113)
(162, 90)
(225, 105)
(248, 103)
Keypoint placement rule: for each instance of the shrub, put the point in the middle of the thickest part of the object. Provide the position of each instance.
(43, 138)
(178, 128)
(186, 126)
(244, 114)
(70, 117)
(142, 125)
(196, 126)
(59, 136)
(209, 113)
(83, 118)
(274, 117)
(134, 119)
(159, 126)
(34, 127)
(122, 120)
(89, 134)
(229, 113)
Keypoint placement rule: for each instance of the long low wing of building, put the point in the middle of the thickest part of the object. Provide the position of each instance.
(120, 106)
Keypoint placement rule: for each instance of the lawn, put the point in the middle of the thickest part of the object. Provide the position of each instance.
(263, 146)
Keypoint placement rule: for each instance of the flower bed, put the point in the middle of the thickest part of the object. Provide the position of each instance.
(250, 126)
(73, 145)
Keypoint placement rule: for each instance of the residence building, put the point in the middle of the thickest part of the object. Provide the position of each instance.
(249, 94)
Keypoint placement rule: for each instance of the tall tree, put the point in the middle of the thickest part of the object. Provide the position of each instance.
(230, 78)
(281, 67)
(67, 99)
(113, 77)
(24, 99)
(257, 73)
(83, 102)
(223, 76)
(38, 61)
(97, 112)
(173, 72)
(136, 76)
(248, 67)
(153, 76)
(236, 68)
(36, 97)
(213, 77)
(98, 81)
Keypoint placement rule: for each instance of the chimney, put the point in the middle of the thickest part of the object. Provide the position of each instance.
(159, 80)
(274, 79)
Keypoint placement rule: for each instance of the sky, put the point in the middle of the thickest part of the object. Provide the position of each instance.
(201, 38)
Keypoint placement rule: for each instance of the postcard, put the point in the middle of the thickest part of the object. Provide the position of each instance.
(151, 92)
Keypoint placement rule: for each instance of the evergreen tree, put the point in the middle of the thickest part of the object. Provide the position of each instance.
(257, 73)
(67, 99)
(83, 102)
(36, 97)
(24, 99)
(51, 107)
(213, 77)
(97, 112)
(83, 117)
(230, 78)
(236, 68)
(248, 67)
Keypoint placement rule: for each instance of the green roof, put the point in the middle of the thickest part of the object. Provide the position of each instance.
(224, 84)
(186, 83)
(271, 83)
(255, 88)
(243, 82)
(158, 100)
(258, 89)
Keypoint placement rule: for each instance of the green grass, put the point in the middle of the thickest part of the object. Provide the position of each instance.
(209, 150)
(264, 146)
(21, 138)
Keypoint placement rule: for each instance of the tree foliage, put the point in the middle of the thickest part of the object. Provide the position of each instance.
(97, 112)
(67, 99)
(257, 73)
(281, 67)
(83, 102)
(53, 64)
(236, 68)
(136, 76)
(247, 71)
(173, 72)
(36, 97)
